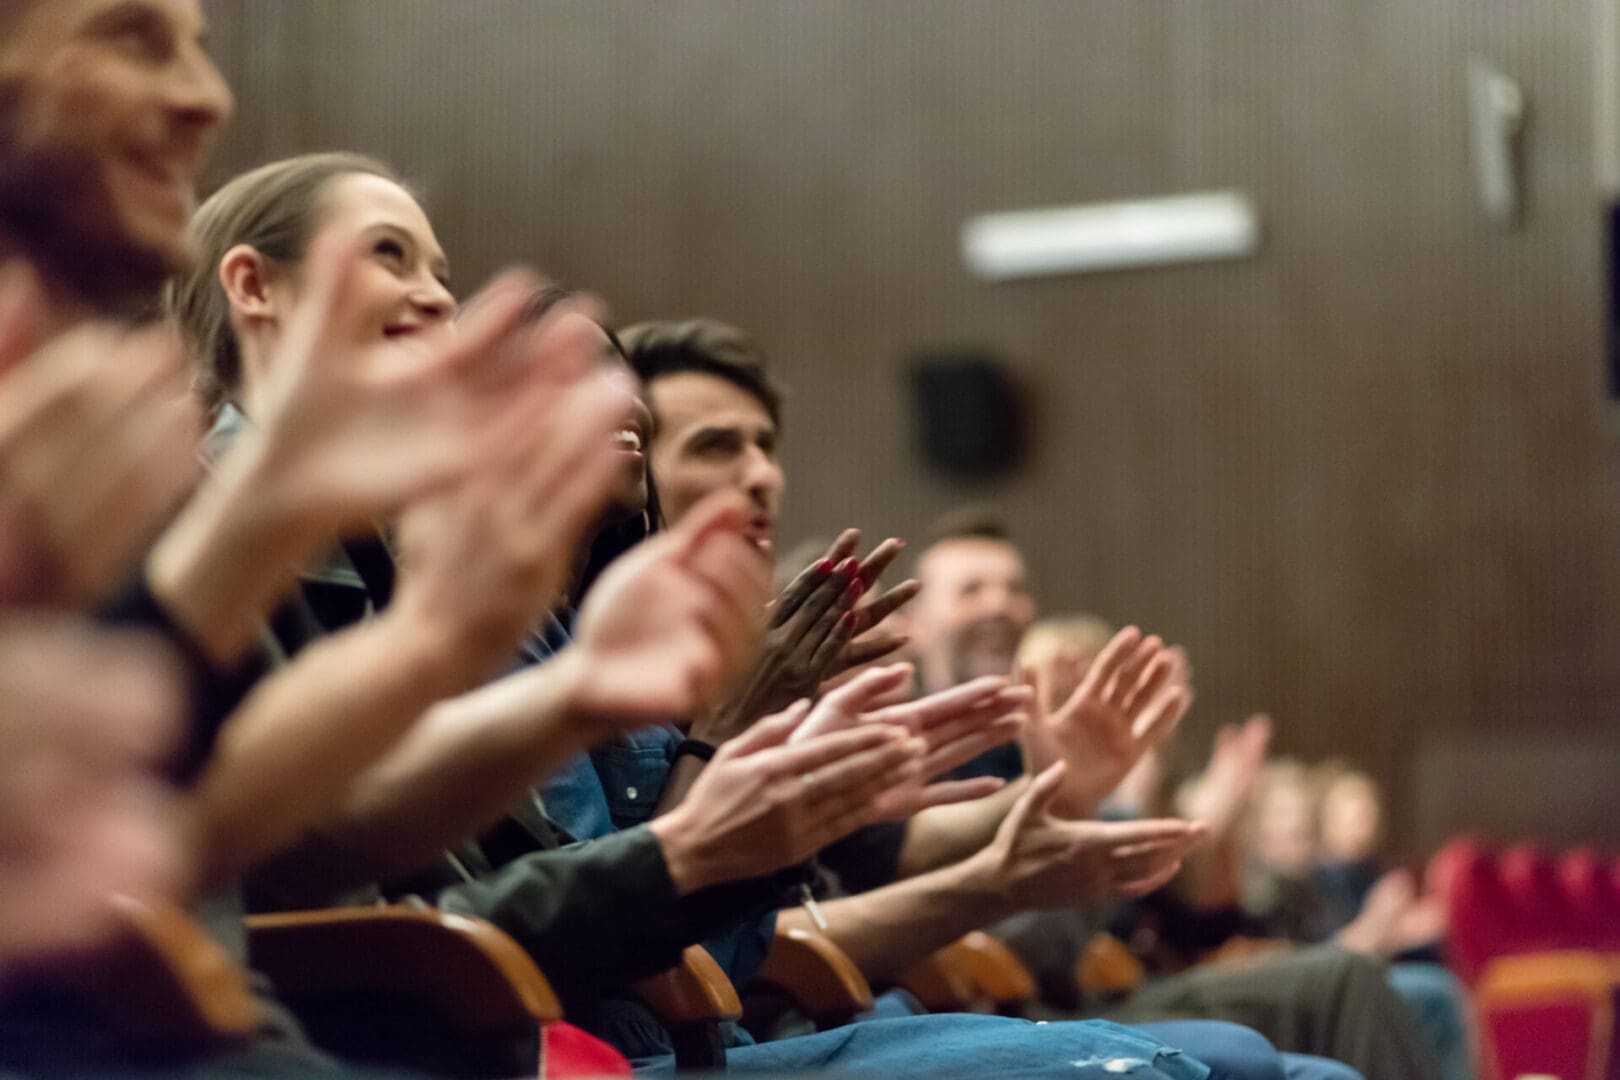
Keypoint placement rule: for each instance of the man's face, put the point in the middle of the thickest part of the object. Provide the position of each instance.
(107, 108)
(712, 435)
(974, 608)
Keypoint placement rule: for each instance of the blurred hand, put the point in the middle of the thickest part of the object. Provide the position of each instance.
(85, 719)
(810, 634)
(669, 627)
(490, 556)
(1129, 701)
(955, 726)
(1221, 794)
(98, 442)
(353, 426)
(764, 803)
(1040, 860)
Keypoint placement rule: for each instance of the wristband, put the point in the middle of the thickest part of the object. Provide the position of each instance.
(696, 747)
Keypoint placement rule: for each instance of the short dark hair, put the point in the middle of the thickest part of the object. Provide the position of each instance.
(705, 346)
(967, 523)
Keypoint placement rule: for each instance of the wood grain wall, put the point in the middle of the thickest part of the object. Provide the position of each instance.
(1363, 476)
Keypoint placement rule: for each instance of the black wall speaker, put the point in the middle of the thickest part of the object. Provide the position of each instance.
(968, 412)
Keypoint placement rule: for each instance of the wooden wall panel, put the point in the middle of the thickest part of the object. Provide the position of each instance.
(1363, 476)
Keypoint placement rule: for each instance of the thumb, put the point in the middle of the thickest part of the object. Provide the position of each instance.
(769, 732)
(1038, 799)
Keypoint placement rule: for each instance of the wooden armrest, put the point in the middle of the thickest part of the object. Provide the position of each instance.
(693, 1000)
(696, 992)
(472, 973)
(1000, 976)
(1106, 967)
(943, 983)
(817, 975)
(1243, 949)
(165, 984)
(1537, 976)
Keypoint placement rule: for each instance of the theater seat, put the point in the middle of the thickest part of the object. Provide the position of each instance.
(1108, 969)
(162, 986)
(976, 973)
(1590, 898)
(1548, 1014)
(806, 972)
(409, 986)
(693, 1001)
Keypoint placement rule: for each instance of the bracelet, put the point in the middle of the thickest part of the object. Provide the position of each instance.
(697, 748)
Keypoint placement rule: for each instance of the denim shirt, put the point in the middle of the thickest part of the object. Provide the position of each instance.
(617, 786)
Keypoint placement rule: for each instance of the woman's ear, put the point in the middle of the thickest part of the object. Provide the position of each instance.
(244, 274)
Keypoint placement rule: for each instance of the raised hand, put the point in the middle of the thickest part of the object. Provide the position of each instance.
(1042, 860)
(1220, 795)
(97, 441)
(349, 427)
(86, 719)
(357, 425)
(811, 633)
(670, 626)
(765, 803)
(955, 725)
(488, 557)
(1129, 701)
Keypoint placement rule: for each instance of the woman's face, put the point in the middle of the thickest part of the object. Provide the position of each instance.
(630, 443)
(400, 291)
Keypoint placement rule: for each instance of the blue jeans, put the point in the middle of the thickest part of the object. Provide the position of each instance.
(1232, 1051)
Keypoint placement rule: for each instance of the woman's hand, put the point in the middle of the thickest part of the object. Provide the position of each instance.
(811, 634)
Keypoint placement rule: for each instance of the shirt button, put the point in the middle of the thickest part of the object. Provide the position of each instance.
(630, 793)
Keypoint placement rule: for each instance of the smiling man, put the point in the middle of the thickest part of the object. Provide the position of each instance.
(107, 109)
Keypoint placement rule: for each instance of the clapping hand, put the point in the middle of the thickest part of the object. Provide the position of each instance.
(955, 725)
(814, 630)
(1129, 700)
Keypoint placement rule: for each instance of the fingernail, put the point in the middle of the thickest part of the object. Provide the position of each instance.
(849, 568)
(823, 566)
(847, 619)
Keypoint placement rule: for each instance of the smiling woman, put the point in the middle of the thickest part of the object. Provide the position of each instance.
(253, 234)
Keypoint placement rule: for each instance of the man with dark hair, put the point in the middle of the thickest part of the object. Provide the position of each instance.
(946, 870)
(719, 417)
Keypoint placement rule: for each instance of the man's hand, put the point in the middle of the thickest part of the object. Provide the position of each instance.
(86, 718)
(1039, 860)
(1129, 701)
(956, 726)
(812, 634)
(764, 803)
(669, 627)
(98, 443)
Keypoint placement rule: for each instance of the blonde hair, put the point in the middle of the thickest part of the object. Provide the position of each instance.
(1063, 633)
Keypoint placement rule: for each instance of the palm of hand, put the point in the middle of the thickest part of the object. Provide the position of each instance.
(1095, 741)
(648, 661)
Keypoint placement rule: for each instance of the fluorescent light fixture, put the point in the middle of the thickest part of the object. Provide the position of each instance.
(1111, 236)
